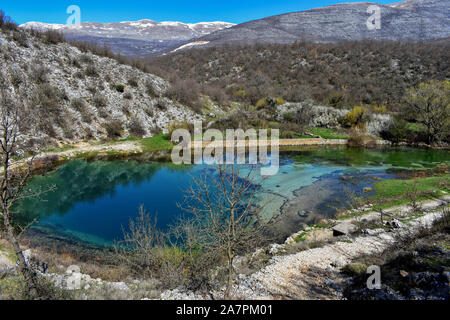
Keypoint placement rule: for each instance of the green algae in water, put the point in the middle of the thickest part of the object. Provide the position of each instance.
(395, 157)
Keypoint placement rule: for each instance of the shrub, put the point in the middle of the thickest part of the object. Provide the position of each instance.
(161, 105)
(337, 100)
(133, 83)
(91, 71)
(120, 88)
(79, 75)
(151, 90)
(288, 117)
(280, 101)
(85, 58)
(114, 128)
(16, 78)
(358, 138)
(21, 38)
(240, 94)
(78, 104)
(99, 101)
(6, 23)
(180, 125)
(48, 97)
(397, 131)
(136, 127)
(74, 62)
(380, 109)
(39, 73)
(262, 103)
(355, 117)
(186, 92)
(53, 37)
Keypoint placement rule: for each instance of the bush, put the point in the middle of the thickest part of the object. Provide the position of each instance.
(74, 62)
(16, 78)
(85, 58)
(180, 125)
(133, 83)
(337, 100)
(6, 23)
(280, 101)
(397, 131)
(48, 98)
(151, 90)
(78, 104)
(114, 128)
(79, 75)
(136, 127)
(91, 71)
(288, 117)
(161, 105)
(356, 117)
(262, 103)
(99, 101)
(53, 37)
(21, 38)
(39, 73)
(120, 88)
(186, 92)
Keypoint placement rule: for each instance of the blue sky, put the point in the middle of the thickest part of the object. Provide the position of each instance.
(236, 11)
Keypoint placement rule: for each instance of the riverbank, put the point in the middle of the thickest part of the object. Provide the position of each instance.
(309, 265)
(157, 148)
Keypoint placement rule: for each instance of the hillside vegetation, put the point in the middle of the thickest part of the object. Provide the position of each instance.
(341, 74)
(362, 85)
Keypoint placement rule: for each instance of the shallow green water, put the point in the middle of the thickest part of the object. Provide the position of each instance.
(95, 200)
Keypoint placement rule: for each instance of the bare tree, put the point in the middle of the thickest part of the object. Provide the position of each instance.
(13, 181)
(223, 203)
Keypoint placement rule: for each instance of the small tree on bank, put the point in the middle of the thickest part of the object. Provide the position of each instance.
(429, 104)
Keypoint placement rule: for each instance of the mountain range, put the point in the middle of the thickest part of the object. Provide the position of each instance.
(407, 20)
(134, 38)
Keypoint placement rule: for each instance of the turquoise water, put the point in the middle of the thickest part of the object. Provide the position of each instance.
(94, 201)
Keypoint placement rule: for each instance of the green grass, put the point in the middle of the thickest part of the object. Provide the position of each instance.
(301, 237)
(158, 142)
(326, 133)
(66, 147)
(87, 155)
(415, 127)
(395, 191)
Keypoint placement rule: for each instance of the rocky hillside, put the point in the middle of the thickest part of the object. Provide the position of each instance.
(70, 95)
(407, 20)
(134, 38)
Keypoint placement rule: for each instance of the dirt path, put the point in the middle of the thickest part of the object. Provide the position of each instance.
(315, 273)
(281, 143)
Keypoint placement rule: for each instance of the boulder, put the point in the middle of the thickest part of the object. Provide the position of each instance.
(395, 224)
(343, 229)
